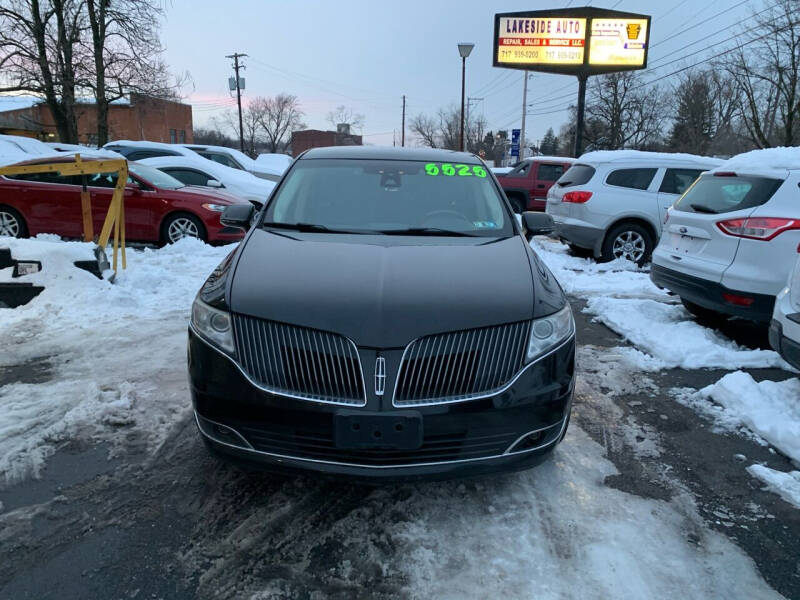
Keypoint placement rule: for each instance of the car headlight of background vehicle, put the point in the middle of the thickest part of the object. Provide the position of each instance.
(549, 331)
(213, 324)
(215, 207)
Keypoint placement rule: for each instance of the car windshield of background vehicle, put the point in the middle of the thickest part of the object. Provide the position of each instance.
(388, 196)
(576, 175)
(156, 177)
(720, 194)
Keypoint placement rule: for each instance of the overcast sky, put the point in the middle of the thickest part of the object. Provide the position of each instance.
(367, 54)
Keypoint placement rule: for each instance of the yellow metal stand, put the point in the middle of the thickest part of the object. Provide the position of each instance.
(115, 218)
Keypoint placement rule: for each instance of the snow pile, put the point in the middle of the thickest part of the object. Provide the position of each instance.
(113, 349)
(603, 156)
(786, 485)
(669, 334)
(768, 408)
(784, 157)
(585, 277)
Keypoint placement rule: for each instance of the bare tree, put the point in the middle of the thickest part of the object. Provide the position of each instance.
(766, 69)
(343, 114)
(126, 50)
(277, 118)
(426, 130)
(39, 49)
(450, 127)
(622, 113)
(252, 133)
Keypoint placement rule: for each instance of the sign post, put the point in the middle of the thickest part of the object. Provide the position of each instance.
(581, 42)
(515, 143)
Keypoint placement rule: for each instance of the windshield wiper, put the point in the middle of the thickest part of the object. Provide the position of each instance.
(704, 209)
(313, 227)
(427, 231)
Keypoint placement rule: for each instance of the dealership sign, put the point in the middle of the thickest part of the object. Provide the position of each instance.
(581, 41)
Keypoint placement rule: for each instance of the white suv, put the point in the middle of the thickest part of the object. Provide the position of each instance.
(612, 203)
(731, 239)
(784, 332)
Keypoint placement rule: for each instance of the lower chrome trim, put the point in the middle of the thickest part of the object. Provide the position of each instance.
(505, 454)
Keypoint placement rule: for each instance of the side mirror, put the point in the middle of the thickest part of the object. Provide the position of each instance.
(239, 216)
(133, 188)
(214, 183)
(536, 223)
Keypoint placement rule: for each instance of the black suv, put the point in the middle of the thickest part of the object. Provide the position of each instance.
(384, 317)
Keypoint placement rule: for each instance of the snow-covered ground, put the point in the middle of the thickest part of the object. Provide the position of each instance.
(112, 348)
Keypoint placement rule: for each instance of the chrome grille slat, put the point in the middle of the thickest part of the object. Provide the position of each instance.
(460, 365)
(299, 362)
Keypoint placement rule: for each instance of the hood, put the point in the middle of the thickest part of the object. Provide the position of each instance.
(208, 194)
(380, 291)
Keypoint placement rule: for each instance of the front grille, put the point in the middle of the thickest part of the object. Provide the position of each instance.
(318, 444)
(299, 362)
(461, 365)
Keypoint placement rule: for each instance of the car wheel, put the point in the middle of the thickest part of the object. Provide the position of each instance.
(182, 225)
(11, 223)
(630, 241)
(701, 313)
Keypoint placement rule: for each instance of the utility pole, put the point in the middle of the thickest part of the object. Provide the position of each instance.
(236, 66)
(403, 132)
(470, 101)
(524, 112)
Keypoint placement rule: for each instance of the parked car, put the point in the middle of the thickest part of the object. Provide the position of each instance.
(731, 239)
(84, 151)
(784, 331)
(158, 208)
(30, 146)
(384, 317)
(139, 150)
(274, 161)
(230, 157)
(613, 203)
(205, 173)
(527, 184)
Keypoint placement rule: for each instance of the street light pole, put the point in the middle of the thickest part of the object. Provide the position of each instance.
(464, 49)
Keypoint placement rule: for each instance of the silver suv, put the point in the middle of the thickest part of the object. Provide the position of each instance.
(611, 204)
(732, 239)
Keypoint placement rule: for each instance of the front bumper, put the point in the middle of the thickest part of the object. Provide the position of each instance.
(513, 430)
(787, 348)
(709, 294)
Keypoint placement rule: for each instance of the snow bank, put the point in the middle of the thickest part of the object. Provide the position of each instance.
(669, 334)
(113, 349)
(585, 277)
(786, 485)
(768, 408)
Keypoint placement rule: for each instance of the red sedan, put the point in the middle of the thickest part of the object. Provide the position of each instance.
(158, 208)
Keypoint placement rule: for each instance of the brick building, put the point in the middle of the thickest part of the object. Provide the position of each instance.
(137, 117)
(316, 138)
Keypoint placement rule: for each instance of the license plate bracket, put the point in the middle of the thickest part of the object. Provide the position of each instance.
(359, 430)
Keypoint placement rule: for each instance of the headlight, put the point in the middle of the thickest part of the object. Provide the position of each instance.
(215, 207)
(213, 324)
(550, 331)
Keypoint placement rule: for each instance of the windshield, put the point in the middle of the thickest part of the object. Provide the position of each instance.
(390, 196)
(154, 176)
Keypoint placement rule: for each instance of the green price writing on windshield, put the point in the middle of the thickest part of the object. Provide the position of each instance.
(459, 170)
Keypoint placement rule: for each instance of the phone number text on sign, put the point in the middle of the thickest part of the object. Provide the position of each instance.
(541, 55)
